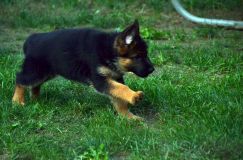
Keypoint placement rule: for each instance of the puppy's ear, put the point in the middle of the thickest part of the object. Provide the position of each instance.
(129, 34)
(127, 37)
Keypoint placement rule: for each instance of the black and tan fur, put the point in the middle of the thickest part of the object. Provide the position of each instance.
(88, 56)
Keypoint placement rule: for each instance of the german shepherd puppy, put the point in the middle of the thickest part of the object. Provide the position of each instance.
(89, 56)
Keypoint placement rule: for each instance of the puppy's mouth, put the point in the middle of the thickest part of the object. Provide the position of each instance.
(143, 75)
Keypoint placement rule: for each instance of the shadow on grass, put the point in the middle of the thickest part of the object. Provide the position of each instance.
(146, 110)
(80, 98)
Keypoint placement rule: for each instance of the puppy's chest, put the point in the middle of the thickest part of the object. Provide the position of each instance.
(110, 72)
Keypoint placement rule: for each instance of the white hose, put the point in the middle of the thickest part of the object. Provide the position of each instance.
(206, 21)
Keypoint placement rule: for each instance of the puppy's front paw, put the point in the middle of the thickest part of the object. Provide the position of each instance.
(134, 117)
(138, 96)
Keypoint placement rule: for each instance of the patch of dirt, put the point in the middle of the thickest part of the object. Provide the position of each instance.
(4, 155)
(120, 156)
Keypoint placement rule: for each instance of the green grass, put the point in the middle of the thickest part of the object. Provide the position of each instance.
(193, 101)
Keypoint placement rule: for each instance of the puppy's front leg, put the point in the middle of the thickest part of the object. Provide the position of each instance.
(122, 109)
(123, 92)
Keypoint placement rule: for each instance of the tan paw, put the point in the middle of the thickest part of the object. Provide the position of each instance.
(18, 100)
(134, 117)
(138, 96)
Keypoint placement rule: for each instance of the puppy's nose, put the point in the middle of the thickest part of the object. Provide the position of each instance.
(151, 69)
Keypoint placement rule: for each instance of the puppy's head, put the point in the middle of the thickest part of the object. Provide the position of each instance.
(132, 52)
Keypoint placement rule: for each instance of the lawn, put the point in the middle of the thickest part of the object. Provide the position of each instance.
(193, 104)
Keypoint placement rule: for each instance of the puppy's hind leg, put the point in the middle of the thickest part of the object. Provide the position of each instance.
(18, 96)
(35, 91)
(32, 75)
(24, 81)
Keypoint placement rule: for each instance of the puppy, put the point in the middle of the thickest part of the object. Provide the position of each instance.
(87, 56)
